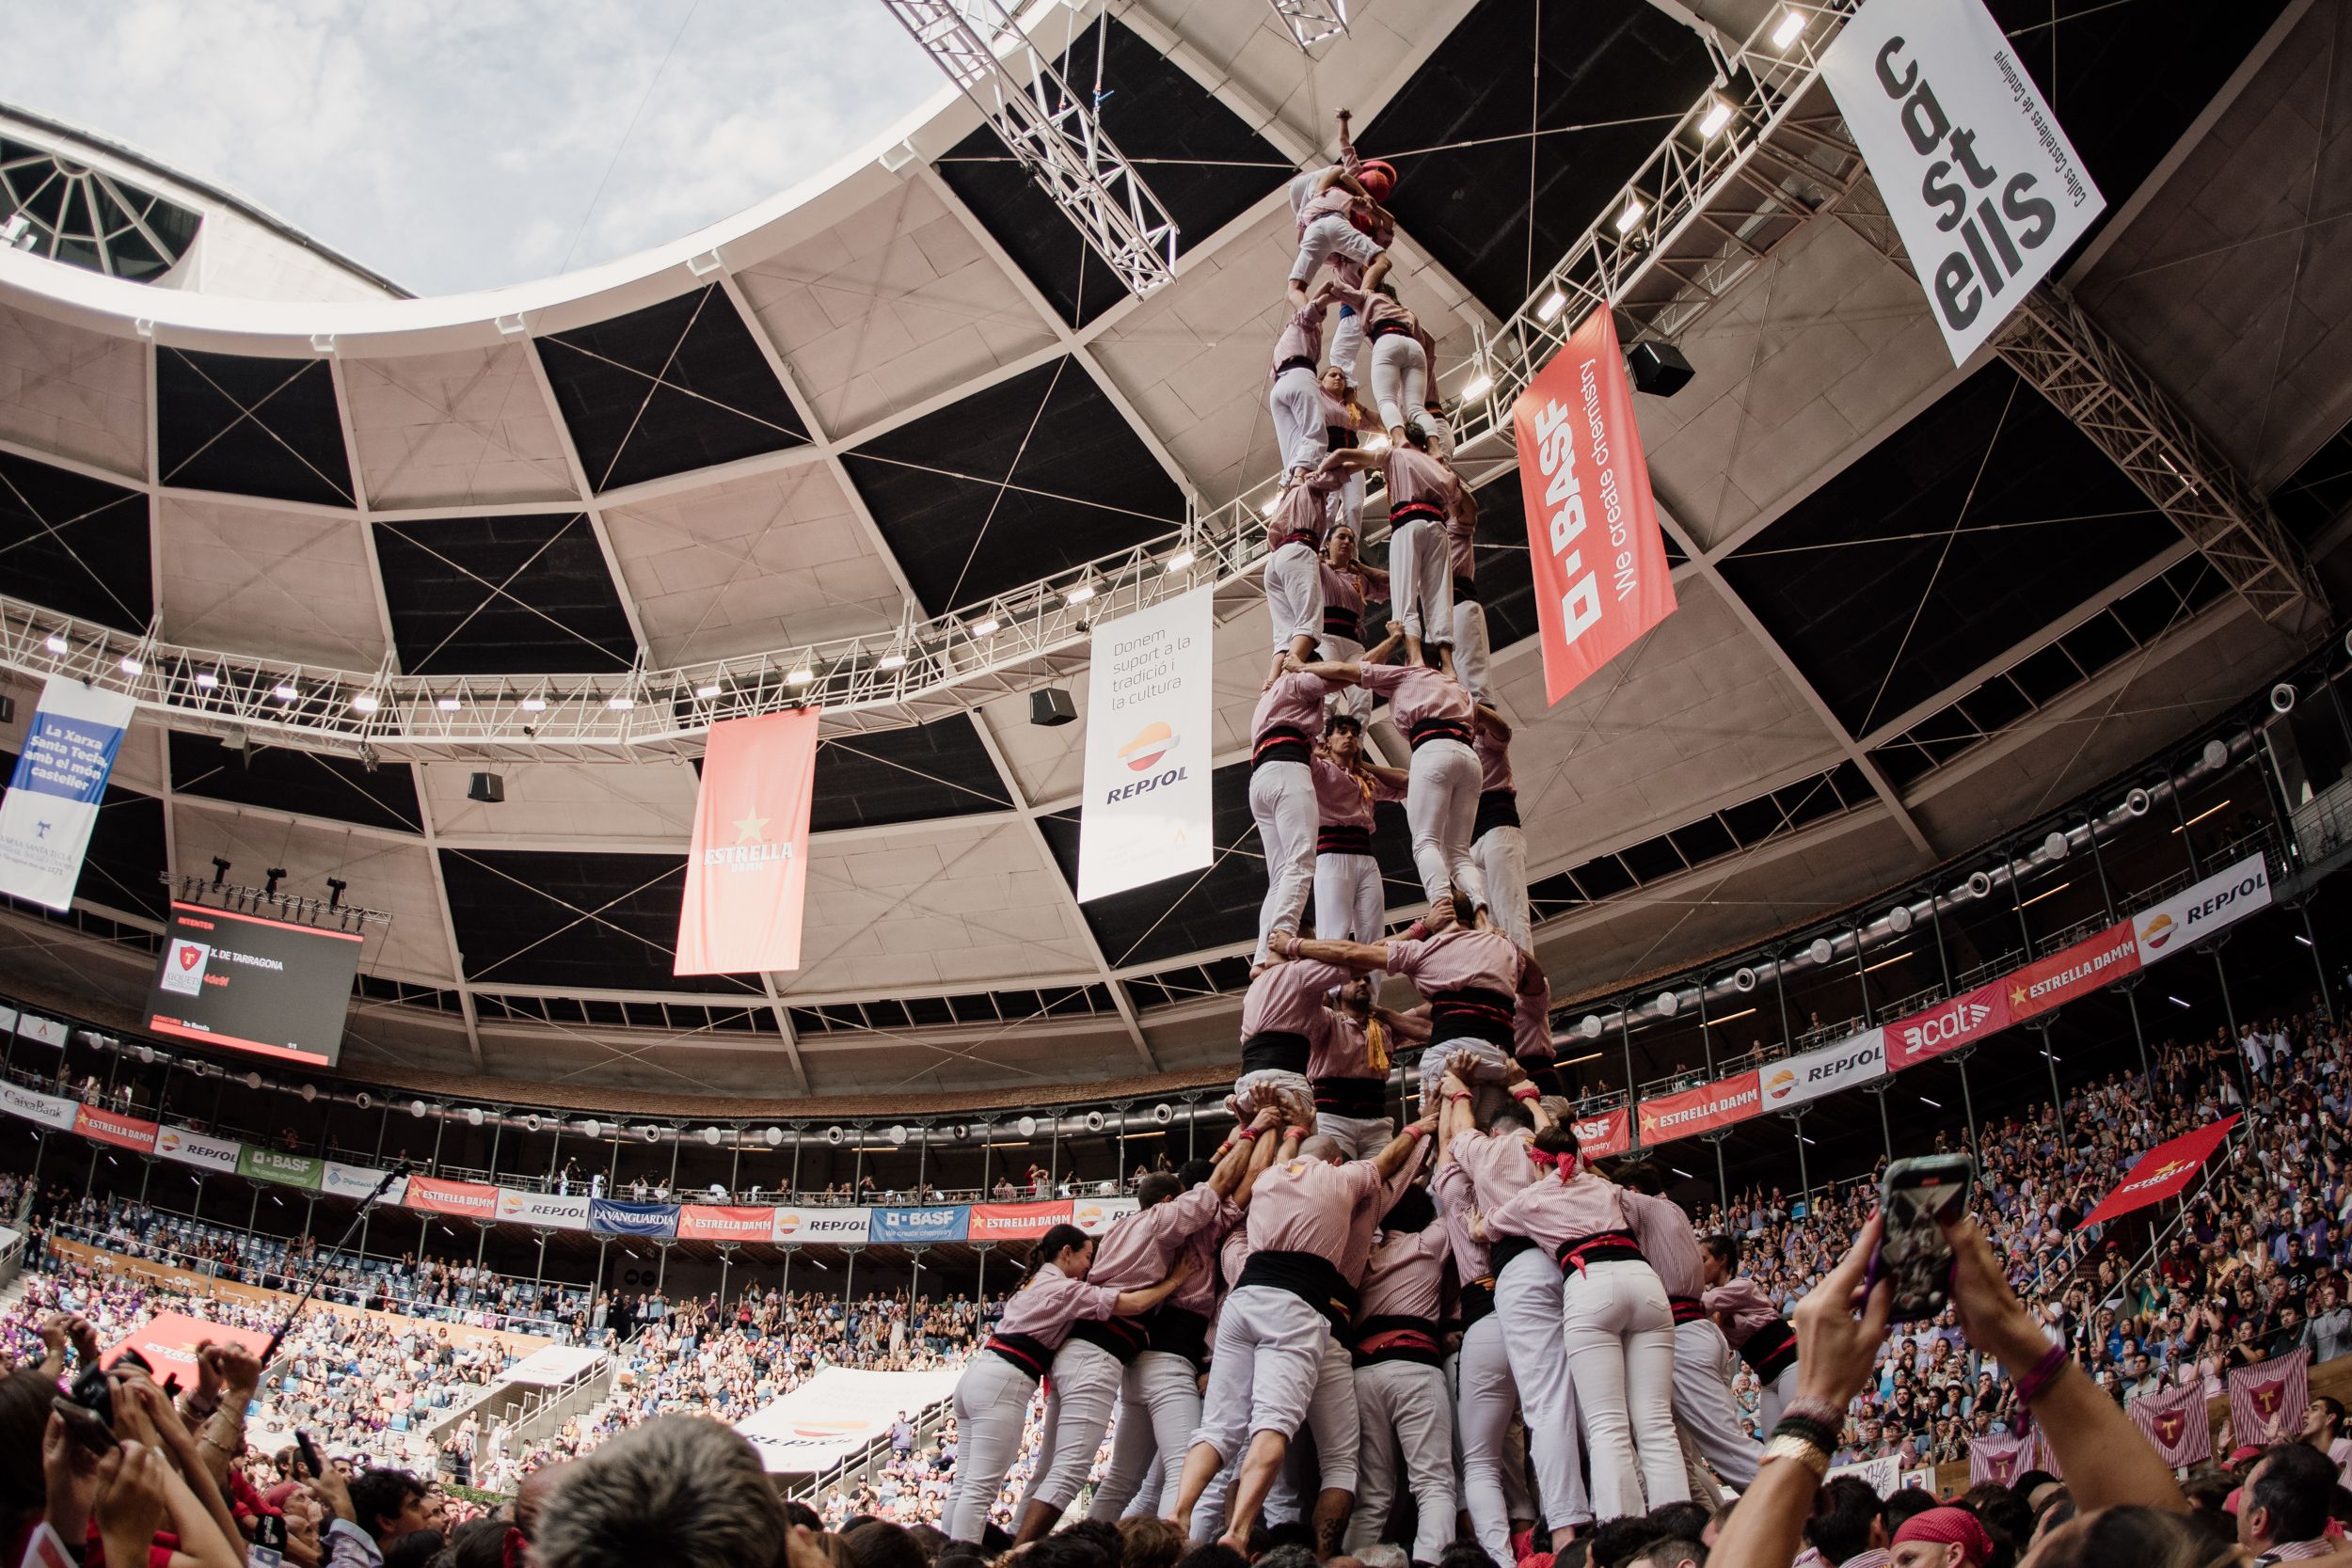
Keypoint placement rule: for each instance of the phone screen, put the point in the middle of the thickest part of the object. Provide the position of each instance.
(1918, 1198)
(86, 1428)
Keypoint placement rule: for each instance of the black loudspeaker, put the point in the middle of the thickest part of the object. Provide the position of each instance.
(1659, 369)
(8, 710)
(486, 787)
(1050, 706)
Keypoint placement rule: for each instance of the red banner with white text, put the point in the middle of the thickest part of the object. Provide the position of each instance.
(1701, 1110)
(1970, 1016)
(112, 1127)
(1016, 1222)
(1592, 526)
(2165, 1171)
(721, 1222)
(2082, 969)
(747, 872)
(431, 1195)
(1610, 1133)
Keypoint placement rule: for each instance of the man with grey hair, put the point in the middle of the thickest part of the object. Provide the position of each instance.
(681, 1490)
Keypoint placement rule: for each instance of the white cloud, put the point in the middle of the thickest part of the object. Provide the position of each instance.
(458, 144)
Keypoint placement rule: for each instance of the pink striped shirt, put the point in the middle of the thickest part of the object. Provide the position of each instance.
(1496, 1163)
(1289, 997)
(1458, 958)
(1416, 476)
(1356, 1255)
(1552, 1213)
(1456, 1195)
(1052, 1301)
(1302, 1205)
(1141, 1248)
(1301, 337)
(1294, 702)
(1743, 1308)
(1301, 509)
(1667, 1241)
(1531, 1023)
(1345, 799)
(1416, 692)
(1494, 760)
(1405, 1277)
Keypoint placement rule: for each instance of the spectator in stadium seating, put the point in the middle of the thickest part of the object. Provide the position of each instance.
(372, 1510)
(2282, 1512)
(681, 1490)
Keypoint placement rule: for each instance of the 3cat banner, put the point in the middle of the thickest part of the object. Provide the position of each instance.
(747, 874)
(1592, 525)
(1150, 741)
(61, 782)
(1983, 186)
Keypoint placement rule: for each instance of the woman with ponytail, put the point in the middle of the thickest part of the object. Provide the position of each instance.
(992, 1397)
(1615, 1325)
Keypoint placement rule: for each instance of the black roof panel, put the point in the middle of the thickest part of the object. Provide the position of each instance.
(76, 545)
(309, 783)
(595, 922)
(251, 426)
(935, 770)
(502, 595)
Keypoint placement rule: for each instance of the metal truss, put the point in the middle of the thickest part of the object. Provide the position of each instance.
(1054, 133)
(1310, 21)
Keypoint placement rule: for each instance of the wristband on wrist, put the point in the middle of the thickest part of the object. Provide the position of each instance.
(1415, 1130)
(1822, 1435)
(1803, 1451)
(2036, 1383)
(1527, 1091)
(1814, 1407)
(1247, 1135)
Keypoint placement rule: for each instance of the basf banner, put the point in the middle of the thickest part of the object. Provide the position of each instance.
(921, 1226)
(544, 1208)
(820, 1227)
(1856, 1059)
(199, 1150)
(1592, 526)
(1976, 171)
(2187, 918)
(60, 781)
(747, 872)
(1148, 744)
(1701, 1110)
(613, 1217)
(1964, 1020)
(288, 1170)
(1610, 1133)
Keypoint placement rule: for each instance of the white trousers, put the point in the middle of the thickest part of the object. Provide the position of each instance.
(1501, 856)
(1421, 581)
(1296, 403)
(1703, 1363)
(1772, 1401)
(1527, 1305)
(1405, 1415)
(1471, 657)
(1347, 346)
(1400, 375)
(1493, 1067)
(1262, 1374)
(1619, 1334)
(1361, 1137)
(1485, 1395)
(1351, 901)
(1084, 1391)
(1159, 1406)
(1347, 505)
(1282, 799)
(1354, 701)
(1294, 594)
(991, 1401)
(1441, 807)
(1328, 236)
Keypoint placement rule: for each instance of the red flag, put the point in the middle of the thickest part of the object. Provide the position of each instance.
(1606, 1134)
(169, 1341)
(2267, 1399)
(1592, 526)
(2165, 1171)
(748, 871)
(2091, 963)
(1949, 1025)
(1690, 1111)
(2176, 1424)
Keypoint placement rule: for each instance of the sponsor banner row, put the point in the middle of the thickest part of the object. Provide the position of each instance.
(2054, 981)
(1690, 1111)
(1811, 1074)
(2190, 915)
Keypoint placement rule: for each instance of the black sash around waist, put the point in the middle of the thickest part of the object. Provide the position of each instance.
(1471, 1012)
(1309, 1275)
(1465, 589)
(1602, 1246)
(1427, 730)
(1503, 1248)
(1410, 511)
(1544, 1073)
(1496, 808)
(1390, 328)
(1478, 1299)
(1275, 1050)
(1687, 1309)
(1295, 363)
(1416, 1339)
(1124, 1337)
(1362, 1098)
(1024, 1350)
(1342, 838)
(1178, 1332)
(1296, 537)
(1770, 1350)
(1337, 437)
(1281, 743)
(1340, 621)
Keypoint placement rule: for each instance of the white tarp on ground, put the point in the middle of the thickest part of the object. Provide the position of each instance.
(838, 1412)
(553, 1364)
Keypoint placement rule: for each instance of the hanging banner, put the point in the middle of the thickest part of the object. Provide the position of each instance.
(1016, 1222)
(1884, 1474)
(1701, 1110)
(473, 1199)
(357, 1182)
(199, 1150)
(1149, 738)
(2192, 914)
(2176, 1424)
(1592, 526)
(1965, 1018)
(543, 1209)
(747, 874)
(1095, 1215)
(2267, 1398)
(45, 1031)
(2165, 1171)
(1974, 167)
(1811, 1074)
(1610, 1133)
(717, 1221)
(821, 1226)
(921, 1226)
(111, 1127)
(47, 1109)
(289, 1171)
(61, 782)
(2093, 962)
(613, 1217)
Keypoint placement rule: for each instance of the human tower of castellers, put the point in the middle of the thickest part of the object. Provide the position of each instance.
(1331, 1320)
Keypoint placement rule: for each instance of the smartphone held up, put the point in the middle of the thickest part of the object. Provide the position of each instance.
(1917, 1200)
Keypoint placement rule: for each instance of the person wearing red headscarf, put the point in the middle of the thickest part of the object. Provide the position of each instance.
(1944, 1537)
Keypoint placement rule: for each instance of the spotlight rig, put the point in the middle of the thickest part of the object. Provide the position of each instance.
(293, 908)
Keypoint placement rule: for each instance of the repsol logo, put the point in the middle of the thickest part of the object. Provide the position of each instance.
(1144, 786)
(2245, 887)
(1954, 1022)
(1868, 1055)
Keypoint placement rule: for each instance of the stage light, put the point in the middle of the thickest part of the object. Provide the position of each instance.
(447, 704)
(534, 704)
(1717, 115)
(365, 703)
(132, 664)
(2216, 753)
(473, 1116)
(774, 1136)
(1631, 214)
(986, 627)
(1554, 304)
(220, 871)
(799, 674)
(206, 680)
(2301, 938)
(1079, 595)
(1479, 384)
(1822, 950)
(270, 880)
(590, 1128)
(620, 703)
(55, 644)
(286, 692)
(1899, 919)
(1181, 560)
(1925, 1101)
(1669, 1003)
(1791, 28)
(711, 1136)
(416, 1109)
(1591, 1026)
(891, 661)
(2178, 1003)
(2057, 846)
(707, 691)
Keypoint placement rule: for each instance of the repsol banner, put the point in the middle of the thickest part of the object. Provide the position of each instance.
(1977, 174)
(2192, 914)
(1145, 815)
(1812, 1075)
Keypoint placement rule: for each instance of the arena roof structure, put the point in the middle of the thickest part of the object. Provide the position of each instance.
(858, 445)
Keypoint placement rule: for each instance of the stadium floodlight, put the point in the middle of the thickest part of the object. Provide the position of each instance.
(1717, 115)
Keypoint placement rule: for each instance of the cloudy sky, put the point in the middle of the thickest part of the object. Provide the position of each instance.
(460, 144)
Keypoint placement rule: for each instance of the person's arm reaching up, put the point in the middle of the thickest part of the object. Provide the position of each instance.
(1404, 1147)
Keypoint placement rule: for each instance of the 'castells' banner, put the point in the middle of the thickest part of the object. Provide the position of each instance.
(1976, 171)
(1148, 744)
(747, 872)
(1592, 526)
(61, 782)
